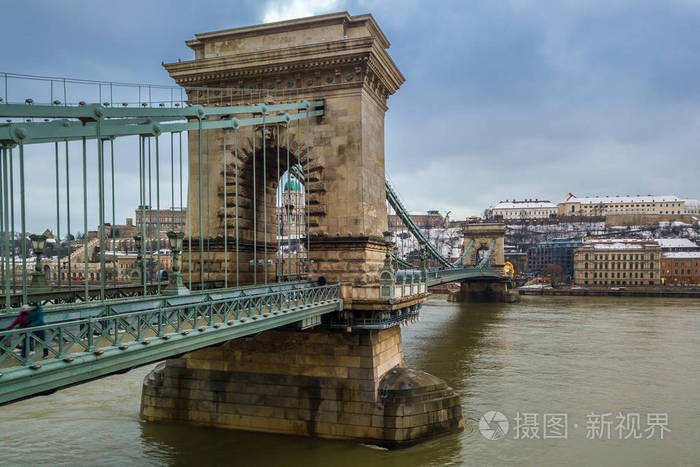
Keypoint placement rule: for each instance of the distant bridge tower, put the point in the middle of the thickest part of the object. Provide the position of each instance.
(483, 240)
(485, 244)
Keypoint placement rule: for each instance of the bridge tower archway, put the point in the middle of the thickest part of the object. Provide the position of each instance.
(484, 238)
(337, 58)
(341, 61)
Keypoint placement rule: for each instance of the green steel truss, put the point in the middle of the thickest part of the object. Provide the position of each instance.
(395, 202)
(96, 121)
(444, 276)
(148, 330)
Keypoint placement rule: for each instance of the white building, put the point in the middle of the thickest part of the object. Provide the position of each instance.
(524, 209)
(677, 245)
(692, 206)
(619, 205)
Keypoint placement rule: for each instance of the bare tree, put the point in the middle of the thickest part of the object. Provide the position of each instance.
(553, 272)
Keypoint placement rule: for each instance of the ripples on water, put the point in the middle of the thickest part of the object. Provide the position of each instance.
(544, 355)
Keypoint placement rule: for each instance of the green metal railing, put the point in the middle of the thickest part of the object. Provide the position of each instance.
(437, 277)
(82, 349)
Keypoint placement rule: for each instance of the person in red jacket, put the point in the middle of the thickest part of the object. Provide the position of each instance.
(22, 320)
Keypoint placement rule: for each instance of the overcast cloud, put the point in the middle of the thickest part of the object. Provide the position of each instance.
(503, 99)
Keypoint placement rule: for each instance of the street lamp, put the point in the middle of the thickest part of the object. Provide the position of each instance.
(175, 285)
(389, 240)
(38, 283)
(136, 272)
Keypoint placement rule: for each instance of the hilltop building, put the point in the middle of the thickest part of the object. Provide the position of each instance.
(669, 245)
(523, 209)
(167, 219)
(599, 206)
(692, 206)
(429, 220)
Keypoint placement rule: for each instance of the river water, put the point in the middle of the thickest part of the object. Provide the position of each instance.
(595, 365)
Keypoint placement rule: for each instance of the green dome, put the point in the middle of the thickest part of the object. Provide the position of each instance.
(292, 185)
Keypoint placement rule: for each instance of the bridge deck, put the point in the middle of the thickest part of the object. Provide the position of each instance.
(84, 349)
(463, 275)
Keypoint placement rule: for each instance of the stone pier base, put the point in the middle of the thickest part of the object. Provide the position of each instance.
(325, 383)
(484, 292)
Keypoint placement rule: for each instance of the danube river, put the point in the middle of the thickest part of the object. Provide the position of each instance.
(602, 378)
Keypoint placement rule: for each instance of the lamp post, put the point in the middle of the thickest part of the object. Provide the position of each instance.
(175, 285)
(389, 240)
(136, 272)
(387, 274)
(38, 283)
(424, 261)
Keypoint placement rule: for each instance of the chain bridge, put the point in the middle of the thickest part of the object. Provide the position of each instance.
(282, 307)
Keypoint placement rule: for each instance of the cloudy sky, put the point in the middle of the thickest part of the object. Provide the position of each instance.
(503, 99)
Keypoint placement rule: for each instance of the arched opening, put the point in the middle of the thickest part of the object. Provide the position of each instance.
(291, 226)
(264, 223)
(481, 254)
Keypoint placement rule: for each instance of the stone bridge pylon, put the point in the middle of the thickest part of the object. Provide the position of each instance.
(483, 240)
(484, 245)
(336, 58)
(346, 381)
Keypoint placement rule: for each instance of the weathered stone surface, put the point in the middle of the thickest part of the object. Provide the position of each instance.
(482, 235)
(323, 383)
(339, 58)
(482, 292)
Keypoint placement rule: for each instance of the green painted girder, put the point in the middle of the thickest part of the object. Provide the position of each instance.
(463, 275)
(97, 111)
(124, 298)
(402, 263)
(466, 251)
(25, 381)
(209, 324)
(487, 256)
(61, 130)
(412, 227)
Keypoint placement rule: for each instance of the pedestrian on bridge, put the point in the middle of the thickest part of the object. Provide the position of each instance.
(36, 318)
(22, 321)
(34, 313)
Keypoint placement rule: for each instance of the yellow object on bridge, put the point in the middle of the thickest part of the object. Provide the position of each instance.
(508, 269)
